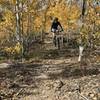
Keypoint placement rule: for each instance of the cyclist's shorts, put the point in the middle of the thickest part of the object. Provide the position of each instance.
(53, 30)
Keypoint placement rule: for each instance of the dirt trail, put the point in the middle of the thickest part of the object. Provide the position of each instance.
(55, 76)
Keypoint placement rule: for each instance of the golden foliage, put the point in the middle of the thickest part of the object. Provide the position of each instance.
(68, 16)
(14, 50)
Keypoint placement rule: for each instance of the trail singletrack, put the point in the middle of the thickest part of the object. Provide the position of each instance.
(57, 75)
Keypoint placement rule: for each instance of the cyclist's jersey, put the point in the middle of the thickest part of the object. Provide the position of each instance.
(55, 26)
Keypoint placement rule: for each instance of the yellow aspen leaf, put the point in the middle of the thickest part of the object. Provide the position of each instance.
(14, 2)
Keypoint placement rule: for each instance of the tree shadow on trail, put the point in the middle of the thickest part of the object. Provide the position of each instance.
(20, 69)
(26, 73)
(56, 53)
(25, 76)
(75, 72)
(19, 77)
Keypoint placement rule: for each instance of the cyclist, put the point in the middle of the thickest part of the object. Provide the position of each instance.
(56, 28)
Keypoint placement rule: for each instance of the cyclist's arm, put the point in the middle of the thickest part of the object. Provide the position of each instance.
(61, 27)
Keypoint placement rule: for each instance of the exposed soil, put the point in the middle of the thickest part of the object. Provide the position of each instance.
(56, 75)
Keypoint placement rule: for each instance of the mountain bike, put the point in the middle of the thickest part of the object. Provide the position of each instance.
(58, 39)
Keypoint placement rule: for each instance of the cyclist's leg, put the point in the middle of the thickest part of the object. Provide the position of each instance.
(58, 42)
(61, 41)
(55, 40)
(54, 36)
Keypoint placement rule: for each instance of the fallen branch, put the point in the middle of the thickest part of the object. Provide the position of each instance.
(83, 96)
(15, 95)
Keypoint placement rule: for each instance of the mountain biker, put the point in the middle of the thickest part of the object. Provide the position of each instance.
(55, 28)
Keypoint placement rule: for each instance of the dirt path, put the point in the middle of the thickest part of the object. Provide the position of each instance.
(55, 76)
(52, 79)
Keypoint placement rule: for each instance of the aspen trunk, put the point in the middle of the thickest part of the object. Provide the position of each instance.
(83, 9)
(18, 36)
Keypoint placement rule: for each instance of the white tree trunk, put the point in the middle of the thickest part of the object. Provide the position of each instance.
(17, 21)
(81, 48)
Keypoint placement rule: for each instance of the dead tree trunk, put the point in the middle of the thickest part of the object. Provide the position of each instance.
(81, 47)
